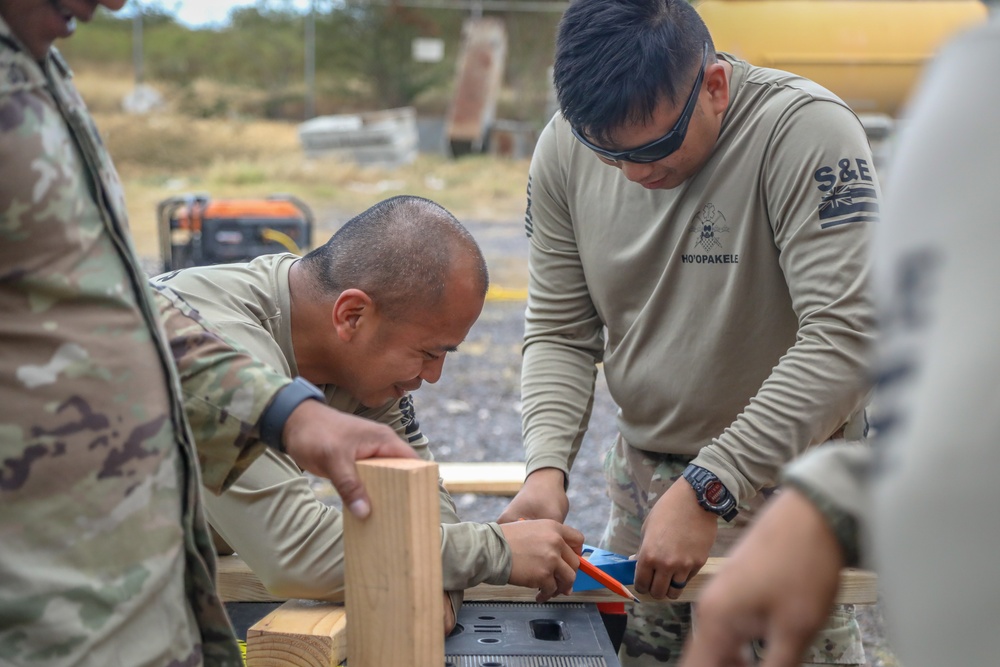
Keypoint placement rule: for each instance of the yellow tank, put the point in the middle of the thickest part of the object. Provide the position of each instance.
(869, 52)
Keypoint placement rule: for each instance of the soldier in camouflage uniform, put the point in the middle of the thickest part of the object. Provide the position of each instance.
(104, 555)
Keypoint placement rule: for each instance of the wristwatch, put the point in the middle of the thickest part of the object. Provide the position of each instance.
(289, 397)
(712, 494)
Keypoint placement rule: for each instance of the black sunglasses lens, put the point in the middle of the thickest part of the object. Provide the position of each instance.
(655, 151)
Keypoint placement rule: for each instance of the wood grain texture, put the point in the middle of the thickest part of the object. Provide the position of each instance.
(299, 633)
(492, 479)
(856, 587)
(393, 581)
(238, 584)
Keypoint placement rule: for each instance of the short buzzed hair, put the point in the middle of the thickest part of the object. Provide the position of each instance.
(400, 252)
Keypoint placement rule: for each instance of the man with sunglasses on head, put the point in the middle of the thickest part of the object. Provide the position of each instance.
(699, 225)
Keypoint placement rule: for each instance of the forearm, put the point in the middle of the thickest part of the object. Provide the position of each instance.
(557, 397)
(835, 480)
(809, 395)
(225, 392)
(474, 553)
(286, 535)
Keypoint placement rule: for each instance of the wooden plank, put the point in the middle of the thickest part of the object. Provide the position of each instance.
(312, 634)
(393, 581)
(303, 633)
(856, 587)
(238, 584)
(494, 478)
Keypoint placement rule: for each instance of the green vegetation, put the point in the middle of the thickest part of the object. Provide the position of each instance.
(363, 59)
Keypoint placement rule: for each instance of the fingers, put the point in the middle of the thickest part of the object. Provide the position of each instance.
(545, 555)
(449, 615)
(393, 448)
(560, 582)
(573, 539)
(327, 442)
(544, 594)
(662, 580)
(676, 584)
(344, 476)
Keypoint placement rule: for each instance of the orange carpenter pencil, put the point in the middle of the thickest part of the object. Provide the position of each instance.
(606, 580)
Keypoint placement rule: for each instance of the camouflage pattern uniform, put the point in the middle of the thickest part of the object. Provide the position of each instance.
(655, 632)
(104, 555)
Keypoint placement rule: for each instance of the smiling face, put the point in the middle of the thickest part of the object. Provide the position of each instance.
(38, 23)
(392, 356)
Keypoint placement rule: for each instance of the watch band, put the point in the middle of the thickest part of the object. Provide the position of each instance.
(272, 422)
(712, 494)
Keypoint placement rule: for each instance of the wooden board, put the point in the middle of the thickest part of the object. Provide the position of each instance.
(238, 584)
(303, 633)
(393, 581)
(494, 478)
(856, 587)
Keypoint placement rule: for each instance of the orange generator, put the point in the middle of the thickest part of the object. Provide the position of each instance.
(196, 230)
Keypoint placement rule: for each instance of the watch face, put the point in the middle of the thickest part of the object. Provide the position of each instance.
(715, 492)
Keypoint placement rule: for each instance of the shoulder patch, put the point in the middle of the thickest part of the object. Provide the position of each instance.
(847, 193)
(529, 225)
(411, 427)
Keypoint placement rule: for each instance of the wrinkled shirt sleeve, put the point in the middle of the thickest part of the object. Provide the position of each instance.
(225, 391)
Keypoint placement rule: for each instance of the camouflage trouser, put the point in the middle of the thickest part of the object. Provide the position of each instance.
(655, 632)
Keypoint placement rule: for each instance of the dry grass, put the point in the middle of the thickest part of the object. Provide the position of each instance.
(167, 153)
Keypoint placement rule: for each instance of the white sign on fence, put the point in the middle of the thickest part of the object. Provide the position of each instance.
(428, 49)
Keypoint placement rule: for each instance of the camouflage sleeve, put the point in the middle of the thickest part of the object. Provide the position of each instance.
(225, 391)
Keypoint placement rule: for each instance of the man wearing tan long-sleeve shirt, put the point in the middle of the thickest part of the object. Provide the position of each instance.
(700, 226)
(368, 317)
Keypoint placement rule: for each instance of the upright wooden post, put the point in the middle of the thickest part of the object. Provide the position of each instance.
(393, 587)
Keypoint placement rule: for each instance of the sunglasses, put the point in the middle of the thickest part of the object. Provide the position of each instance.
(665, 145)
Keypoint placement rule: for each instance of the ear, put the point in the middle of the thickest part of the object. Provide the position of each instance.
(351, 311)
(717, 85)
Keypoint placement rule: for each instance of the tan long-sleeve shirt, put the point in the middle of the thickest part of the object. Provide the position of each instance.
(732, 313)
(270, 516)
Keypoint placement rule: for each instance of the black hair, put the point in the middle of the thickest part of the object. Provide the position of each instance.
(400, 252)
(616, 60)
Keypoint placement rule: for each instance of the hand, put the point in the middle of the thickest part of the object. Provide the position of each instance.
(778, 584)
(543, 496)
(449, 615)
(545, 555)
(676, 539)
(326, 442)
